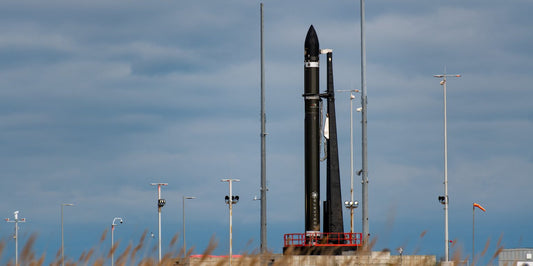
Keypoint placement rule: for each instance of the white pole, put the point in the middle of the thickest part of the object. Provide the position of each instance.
(446, 174)
(16, 220)
(230, 222)
(159, 219)
(62, 239)
(113, 224)
(112, 244)
(351, 204)
(183, 214)
(351, 161)
(446, 207)
(184, 243)
(16, 242)
(230, 202)
(473, 230)
(160, 204)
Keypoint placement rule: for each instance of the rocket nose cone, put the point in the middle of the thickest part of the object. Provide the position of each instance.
(311, 43)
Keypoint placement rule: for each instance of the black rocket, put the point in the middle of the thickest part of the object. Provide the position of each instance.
(312, 132)
(332, 240)
(333, 222)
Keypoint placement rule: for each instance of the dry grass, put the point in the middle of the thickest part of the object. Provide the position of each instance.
(177, 256)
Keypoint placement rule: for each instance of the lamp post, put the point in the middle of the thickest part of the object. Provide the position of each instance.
(16, 220)
(444, 199)
(351, 159)
(184, 243)
(160, 203)
(351, 205)
(62, 238)
(113, 224)
(230, 200)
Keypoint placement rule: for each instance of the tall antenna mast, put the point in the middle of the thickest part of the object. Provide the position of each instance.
(263, 244)
(366, 234)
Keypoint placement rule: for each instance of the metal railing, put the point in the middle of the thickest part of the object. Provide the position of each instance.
(322, 239)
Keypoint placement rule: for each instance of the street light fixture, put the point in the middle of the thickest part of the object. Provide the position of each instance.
(230, 200)
(351, 205)
(184, 243)
(160, 203)
(16, 220)
(444, 199)
(62, 239)
(113, 224)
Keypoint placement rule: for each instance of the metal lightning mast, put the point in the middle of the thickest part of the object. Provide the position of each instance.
(366, 234)
(264, 189)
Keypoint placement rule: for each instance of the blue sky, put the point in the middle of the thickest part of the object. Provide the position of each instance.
(100, 99)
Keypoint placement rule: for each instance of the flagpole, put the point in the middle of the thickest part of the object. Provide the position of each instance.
(473, 229)
(474, 205)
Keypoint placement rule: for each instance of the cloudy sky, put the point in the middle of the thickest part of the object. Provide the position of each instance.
(99, 99)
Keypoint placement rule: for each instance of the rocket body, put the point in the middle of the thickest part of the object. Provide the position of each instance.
(312, 131)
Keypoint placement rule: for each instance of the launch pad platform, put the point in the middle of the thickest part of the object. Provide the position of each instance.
(317, 243)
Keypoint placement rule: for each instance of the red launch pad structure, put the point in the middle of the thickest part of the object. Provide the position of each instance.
(321, 243)
(323, 239)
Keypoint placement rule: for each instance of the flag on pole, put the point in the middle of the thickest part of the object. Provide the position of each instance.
(479, 206)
